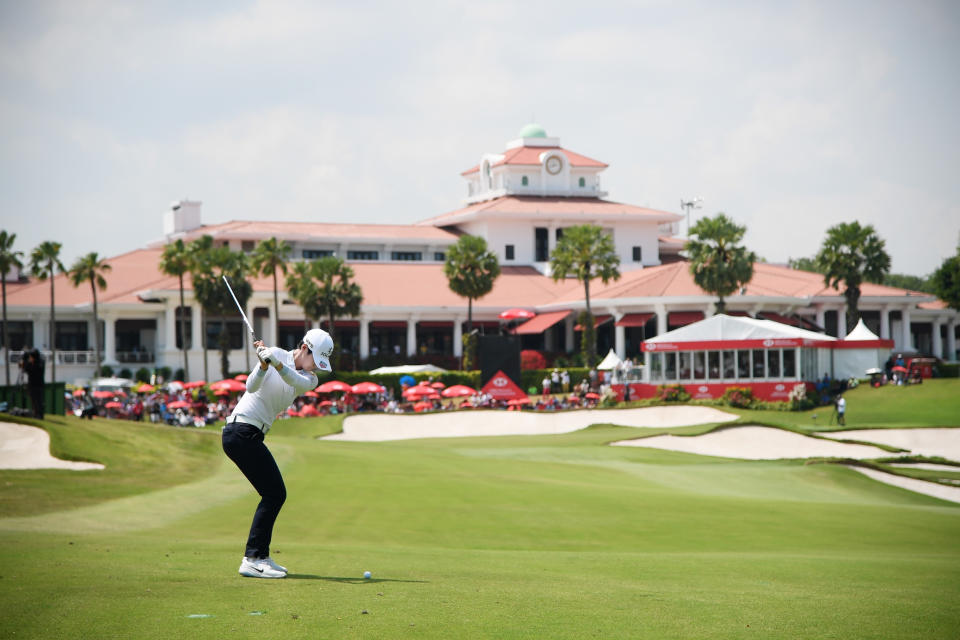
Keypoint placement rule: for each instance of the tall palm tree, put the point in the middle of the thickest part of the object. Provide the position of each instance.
(471, 270)
(175, 261)
(338, 295)
(209, 288)
(199, 254)
(718, 264)
(586, 252)
(90, 268)
(44, 263)
(270, 255)
(9, 259)
(851, 254)
(303, 289)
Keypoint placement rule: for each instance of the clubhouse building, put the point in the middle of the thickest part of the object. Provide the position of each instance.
(520, 200)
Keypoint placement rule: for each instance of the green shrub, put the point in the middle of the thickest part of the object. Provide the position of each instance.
(672, 393)
(125, 373)
(947, 370)
(142, 375)
(106, 371)
(739, 397)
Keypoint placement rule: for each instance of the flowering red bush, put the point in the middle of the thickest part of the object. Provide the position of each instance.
(531, 359)
(741, 397)
(672, 393)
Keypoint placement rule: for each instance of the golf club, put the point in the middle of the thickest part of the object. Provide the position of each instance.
(239, 308)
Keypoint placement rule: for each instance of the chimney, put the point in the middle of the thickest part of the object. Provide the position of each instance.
(182, 216)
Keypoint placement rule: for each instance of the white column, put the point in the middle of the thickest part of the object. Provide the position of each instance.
(906, 342)
(619, 336)
(412, 336)
(661, 312)
(937, 340)
(821, 317)
(109, 340)
(952, 340)
(364, 337)
(885, 323)
(842, 322)
(196, 320)
(458, 336)
(170, 328)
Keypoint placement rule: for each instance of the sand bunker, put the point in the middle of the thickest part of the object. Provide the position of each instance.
(379, 427)
(950, 494)
(756, 443)
(24, 447)
(925, 442)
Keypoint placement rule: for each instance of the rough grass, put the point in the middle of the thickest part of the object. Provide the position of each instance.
(516, 537)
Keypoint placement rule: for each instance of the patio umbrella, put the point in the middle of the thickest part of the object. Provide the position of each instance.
(77, 392)
(102, 395)
(901, 369)
(516, 314)
(308, 410)
(221, 392)
(334, 385)
(419, 391)
(194, 384)
(178, 404)
(312, 394)
(592, 396)
(143, 387)
(458, 391)
(114, 405)
(438, 385)
(229, 384)
(242, 377)
(422, 406)
(367, 387)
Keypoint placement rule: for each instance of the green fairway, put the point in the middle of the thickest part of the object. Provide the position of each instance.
(511, 537)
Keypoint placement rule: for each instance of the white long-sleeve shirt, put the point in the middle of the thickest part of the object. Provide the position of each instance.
(270, 392)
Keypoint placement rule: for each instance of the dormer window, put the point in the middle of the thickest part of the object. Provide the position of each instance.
(583, 182)
(524, 181)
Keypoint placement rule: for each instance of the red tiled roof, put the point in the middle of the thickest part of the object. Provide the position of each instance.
(553, 206)
(260, 229)
(531, 156)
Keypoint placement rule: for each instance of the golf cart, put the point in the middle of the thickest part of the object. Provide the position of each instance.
(876, 377)
(918, 369)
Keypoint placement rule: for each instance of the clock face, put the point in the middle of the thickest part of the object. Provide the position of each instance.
(554, 164)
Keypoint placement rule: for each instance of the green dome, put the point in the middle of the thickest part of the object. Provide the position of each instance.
(533, 131)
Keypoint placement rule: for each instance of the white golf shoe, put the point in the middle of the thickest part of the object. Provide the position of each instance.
(259, 568)
(274, 565)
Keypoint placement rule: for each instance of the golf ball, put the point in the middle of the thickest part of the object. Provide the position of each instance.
(367, 574)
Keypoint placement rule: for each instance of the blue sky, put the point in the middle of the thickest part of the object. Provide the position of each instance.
(789, 116)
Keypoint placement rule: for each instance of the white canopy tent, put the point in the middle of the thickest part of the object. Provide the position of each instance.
(611, 361)
(409, 368)
(862, 350)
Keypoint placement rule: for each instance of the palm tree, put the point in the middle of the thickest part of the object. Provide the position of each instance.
(851, 254)
(199, 254)
(44, 263)
(209, 288)
(586, 252)
(9, 259)
(471, 271)
(303, 289)
(90, 268)
(718, 264)
(269, 256)
(175, 261)
(338, 296)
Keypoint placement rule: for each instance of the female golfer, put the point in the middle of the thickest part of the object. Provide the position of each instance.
(271, 388)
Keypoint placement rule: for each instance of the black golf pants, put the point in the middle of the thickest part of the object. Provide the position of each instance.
(243, 443)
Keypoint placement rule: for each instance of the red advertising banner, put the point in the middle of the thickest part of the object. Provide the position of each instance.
(501, 387)
(767, 391)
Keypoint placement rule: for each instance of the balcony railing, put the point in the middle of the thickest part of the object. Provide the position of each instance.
(135, 356)
(63, 357)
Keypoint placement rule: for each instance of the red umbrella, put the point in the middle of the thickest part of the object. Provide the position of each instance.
(516, 314)
(178, 404)
(325, 403)
(422, 406)
(419, 391)
(438, 385)
(312, 394)
(592, 396)
(221, 392)
(458, 391)
(242, 377)
(292, 412)
(77, 392)
(101, 395)
(229, 385)
(518, 401)
(194, 384)
(367, 387)
(114, 405)
(334, 385)
(308, 410)
(903, 369)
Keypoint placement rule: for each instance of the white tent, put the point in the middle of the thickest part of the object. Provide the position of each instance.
(853, 360)
(409, 368)
(611, 361)
(728, 328)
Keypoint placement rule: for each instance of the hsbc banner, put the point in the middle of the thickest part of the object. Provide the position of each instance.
(767, 391)
(501, 387)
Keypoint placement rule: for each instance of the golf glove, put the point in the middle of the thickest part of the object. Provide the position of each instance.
(264, 354)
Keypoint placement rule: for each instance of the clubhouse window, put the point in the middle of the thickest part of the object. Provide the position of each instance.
(363, 255)
(409, 256)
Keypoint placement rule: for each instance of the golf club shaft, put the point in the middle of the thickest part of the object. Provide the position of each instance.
(239, 308)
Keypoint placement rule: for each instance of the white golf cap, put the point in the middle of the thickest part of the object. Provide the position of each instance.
(321, 345)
